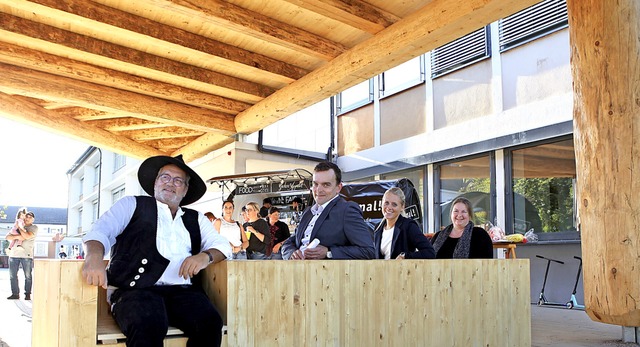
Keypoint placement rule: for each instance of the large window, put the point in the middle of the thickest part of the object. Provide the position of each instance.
(472, 179)
(543, 188)
(402, 76)
(119, 161)
(116, 194)
(354, 97)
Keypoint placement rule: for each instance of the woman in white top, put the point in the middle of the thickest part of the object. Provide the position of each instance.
(232, 230)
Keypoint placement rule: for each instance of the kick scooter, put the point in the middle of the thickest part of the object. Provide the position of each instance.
(542, 301)
(573, 303)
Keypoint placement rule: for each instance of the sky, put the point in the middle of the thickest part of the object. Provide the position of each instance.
(34, 165)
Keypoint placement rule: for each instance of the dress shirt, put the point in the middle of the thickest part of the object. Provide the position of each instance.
(316, 210)
(172, 238)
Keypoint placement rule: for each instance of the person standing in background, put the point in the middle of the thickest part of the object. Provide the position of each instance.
(232, 230)
(266, 205)
(22, 256)
(279, 232)
(260, 236)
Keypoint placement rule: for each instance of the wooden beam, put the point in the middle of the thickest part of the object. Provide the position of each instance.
(160, 133)
(605, 64)
(124, 124)
(23, 111)
(220, 53)
(16, 80)
(202, 146)
(227, 16)
(357, 14)
(32, 59)
(47, 36)
(437, 23)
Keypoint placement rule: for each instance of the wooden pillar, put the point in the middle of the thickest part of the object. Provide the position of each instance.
(605, 58)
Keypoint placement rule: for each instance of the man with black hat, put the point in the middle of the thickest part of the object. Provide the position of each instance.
(157, 248)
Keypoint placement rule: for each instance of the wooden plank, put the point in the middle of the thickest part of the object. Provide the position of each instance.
(235, 18)
(17, 80)
(46, 304)
(428, 29)
(78, 307)
(48, 37)
(125, 25)
(34, 115)
(13, 54)
(605, 41)
(357, 14)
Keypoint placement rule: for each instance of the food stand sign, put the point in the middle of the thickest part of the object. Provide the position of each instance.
(274, 187)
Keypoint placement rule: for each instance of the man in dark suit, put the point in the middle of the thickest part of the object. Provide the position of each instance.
(336, 223)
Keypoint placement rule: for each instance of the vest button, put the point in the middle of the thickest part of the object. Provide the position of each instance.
(144, 261)
(136, 277)
(141, 270)
(133, 283)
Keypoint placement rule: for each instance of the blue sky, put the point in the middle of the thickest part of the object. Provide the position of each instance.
(34, 165)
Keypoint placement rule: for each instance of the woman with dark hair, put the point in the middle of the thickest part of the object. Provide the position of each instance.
(398, 237)
(232, 230)
(279, 232)
(462, 240)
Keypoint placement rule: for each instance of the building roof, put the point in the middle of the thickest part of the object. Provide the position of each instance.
(44, 215)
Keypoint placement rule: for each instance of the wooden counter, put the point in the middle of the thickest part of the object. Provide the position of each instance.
(323, 303)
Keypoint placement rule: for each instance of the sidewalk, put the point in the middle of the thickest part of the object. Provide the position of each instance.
(557, 327)
(15, 324)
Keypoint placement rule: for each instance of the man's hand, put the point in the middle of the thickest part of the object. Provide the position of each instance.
(297, 255)
(94, 271)
(319, 252)
(193, 264)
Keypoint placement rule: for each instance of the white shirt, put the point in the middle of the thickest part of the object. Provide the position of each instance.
(385, 243)
(316, 210)
(172, 239)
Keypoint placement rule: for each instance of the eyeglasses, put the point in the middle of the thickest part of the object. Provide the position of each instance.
(177, 181)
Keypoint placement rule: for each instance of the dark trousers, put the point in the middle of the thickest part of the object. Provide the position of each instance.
(145, 314)
(27, 266)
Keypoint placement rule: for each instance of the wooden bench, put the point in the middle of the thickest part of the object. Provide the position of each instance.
(62, 292)
(475, 302)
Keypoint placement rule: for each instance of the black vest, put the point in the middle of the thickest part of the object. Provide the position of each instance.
(135, 260)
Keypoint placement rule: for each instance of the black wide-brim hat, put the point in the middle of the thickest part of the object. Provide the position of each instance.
(148, 173)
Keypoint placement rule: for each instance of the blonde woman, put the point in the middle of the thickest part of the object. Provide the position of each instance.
(398, 237)
(260, 238)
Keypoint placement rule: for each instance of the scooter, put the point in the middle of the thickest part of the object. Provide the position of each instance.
(573, 303)
(542, 301)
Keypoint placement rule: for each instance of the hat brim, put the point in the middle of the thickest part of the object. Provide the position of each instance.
(149, 171)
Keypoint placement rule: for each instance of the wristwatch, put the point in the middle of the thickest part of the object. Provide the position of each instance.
(210, 256)
(329, 255)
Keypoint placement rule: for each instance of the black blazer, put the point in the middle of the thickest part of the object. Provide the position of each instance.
(407, 238)
(340, 227)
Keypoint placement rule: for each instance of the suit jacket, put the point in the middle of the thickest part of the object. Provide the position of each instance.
(340, 227)
(407, 237)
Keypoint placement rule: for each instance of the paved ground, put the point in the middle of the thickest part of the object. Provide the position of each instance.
(557, 327)
(15, 315)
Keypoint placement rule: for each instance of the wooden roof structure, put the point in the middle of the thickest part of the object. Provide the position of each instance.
(151, 77)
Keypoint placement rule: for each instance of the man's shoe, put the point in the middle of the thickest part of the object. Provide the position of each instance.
(14, 297)
(27, 297)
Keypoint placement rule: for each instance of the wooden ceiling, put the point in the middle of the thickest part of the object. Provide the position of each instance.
(148, 77)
